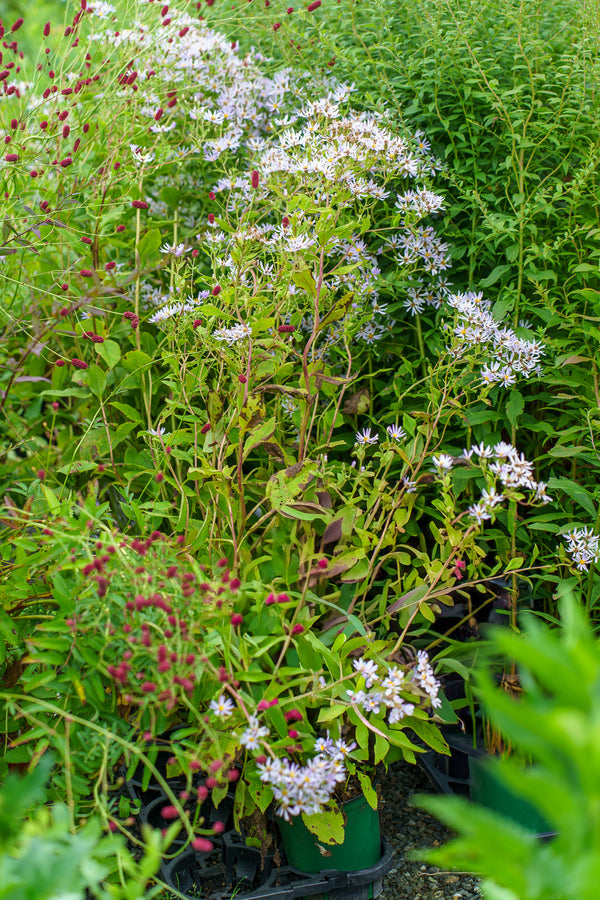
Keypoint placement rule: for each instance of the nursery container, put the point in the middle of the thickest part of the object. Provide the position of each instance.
(489, 791)
(360, 849)
(242, 872)
(465, 772)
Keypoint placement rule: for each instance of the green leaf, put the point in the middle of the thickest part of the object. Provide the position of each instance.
(258, 435)
(96, 380)
(130, 411)
(331, 713)
(110, 353)
(514, 563)
(337, 311)
(368, 789)
(327, 825)
(306, 512)
(137, 361)
(357, 572)
(575, 491)
(514, 406)
(305, 281)
(495, 275)
(208, 309)
(78, 465)
(148, 247)
(51, 499)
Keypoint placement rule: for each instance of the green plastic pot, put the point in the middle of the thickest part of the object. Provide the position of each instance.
(489, 791)
(360, 849)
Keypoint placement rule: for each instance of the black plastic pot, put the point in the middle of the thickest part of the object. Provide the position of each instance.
(241, 871)
(464, 772)
(151, 814)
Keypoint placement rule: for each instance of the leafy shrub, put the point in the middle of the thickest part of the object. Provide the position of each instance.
(554, 723)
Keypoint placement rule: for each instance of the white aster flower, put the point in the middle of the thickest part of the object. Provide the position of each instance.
(222, 707)
(365, 437)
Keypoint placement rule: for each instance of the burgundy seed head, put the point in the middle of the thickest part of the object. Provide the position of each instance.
(202, 845)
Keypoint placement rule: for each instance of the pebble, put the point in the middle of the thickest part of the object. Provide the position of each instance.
(408, 828)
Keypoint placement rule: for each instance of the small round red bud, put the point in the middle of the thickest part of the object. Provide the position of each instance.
(202, 845)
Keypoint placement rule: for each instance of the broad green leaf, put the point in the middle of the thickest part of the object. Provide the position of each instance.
(327, 825)
(575, 491)
(515, 406)
(257, 435)
(328, 714)
(110, 353)
(148, 247)
(96, 380)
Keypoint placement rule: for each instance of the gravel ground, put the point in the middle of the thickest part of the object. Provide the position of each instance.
(408, 828)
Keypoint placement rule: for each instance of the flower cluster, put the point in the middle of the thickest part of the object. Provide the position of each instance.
(583, 546)
(306, 789)
(365, 437)
(511, 470)
(512, 356)
(395, 689)
(233, 335)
